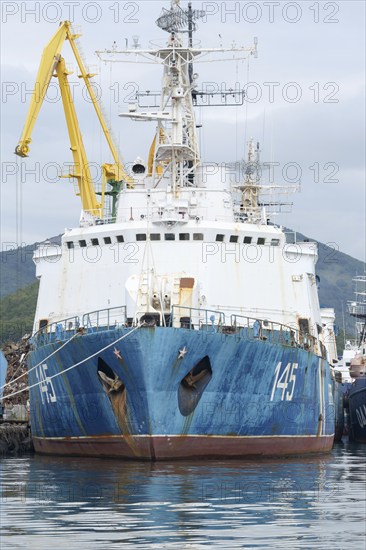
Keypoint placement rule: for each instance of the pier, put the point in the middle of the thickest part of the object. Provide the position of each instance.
(15, 438)
(15, 432)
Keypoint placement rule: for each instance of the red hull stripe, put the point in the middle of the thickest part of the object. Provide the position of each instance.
(159, 447)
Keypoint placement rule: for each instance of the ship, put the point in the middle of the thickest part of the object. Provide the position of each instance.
(178, 322)
(355, 398)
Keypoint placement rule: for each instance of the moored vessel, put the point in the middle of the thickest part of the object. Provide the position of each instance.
(356, 394)
(178, 322)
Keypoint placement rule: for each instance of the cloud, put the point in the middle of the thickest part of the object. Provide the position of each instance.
(309, 131)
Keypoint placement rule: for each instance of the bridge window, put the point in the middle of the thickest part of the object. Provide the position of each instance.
(247, 240)
(70, 244)
(82, 243)
(141, 237)
(95, 242)
(120, 239)
(155, 237)
(198, 236)
(184, 236)
(234, 238)
(275, 242)
(169, 237)
(261, 240)
(107, 240)
(220, 238)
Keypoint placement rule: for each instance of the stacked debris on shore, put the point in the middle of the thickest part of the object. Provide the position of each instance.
(15, 354)
(15, 434)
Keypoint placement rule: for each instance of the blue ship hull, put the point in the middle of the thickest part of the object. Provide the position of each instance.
(338, 409)
(164, 393)
(357, 410)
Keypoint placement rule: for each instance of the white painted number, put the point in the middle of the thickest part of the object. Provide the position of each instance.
(45, 384)
(283, 380)
(361, 415)
(292, 381)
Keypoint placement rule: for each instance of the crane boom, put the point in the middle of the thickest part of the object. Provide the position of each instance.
(119, 172)
(49, 60)
(52, 64)
(81, 170)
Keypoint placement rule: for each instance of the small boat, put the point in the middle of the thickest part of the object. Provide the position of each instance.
(356, 394)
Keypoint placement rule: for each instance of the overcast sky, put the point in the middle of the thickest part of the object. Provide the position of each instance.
(305, 104)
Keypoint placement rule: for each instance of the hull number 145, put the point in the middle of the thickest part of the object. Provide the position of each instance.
(45, 384)
(285, 380)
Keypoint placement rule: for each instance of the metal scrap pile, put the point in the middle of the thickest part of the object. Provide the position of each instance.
(15, 436)
(15, 355)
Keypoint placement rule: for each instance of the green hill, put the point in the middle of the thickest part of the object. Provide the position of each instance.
(17, 269)
(17, 313)
(336, 271)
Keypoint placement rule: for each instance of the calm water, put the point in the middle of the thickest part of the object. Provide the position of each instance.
(49, 502)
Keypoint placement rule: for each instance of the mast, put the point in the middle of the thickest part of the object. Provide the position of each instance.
(358, 308)
(174, 155)
(190, 39)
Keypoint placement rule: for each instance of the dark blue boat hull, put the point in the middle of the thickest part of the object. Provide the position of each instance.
(338, 410)
(252, 397)
(357, 410)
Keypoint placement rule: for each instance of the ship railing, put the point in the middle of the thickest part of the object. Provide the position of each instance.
(57, 331)
(197, 319)
(271, 331)
(160, 214)
(263, 329)
(249, 328)
(208, 320)
(105, 319)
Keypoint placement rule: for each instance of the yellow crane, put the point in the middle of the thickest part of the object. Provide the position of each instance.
(53, 64)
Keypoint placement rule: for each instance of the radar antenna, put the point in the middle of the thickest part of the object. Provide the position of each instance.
(178, 20)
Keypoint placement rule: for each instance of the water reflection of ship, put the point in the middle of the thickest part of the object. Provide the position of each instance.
(177, 502)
